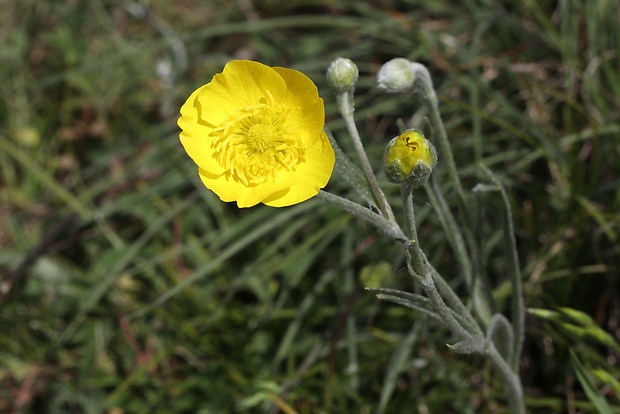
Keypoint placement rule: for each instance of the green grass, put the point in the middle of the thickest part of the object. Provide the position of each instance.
(129, 287)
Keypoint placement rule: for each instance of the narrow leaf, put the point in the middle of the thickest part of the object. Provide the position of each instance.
(475, 344)
(588, 385)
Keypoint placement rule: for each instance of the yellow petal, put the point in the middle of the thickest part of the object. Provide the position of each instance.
(306, 109)
(229, 189)
(242, 83)
(309, 176)
(195, 135)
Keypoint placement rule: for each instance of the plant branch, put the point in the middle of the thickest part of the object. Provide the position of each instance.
(345, 105)
(420, 269)
(390, 228)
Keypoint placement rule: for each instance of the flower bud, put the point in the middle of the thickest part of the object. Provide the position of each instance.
(409, 158)
(342, 74)
(395, 76)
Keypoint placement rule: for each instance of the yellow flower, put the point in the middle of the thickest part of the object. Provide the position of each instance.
(256, 134)
(409, 158)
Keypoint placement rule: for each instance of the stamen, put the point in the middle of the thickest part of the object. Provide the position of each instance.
(253, 144)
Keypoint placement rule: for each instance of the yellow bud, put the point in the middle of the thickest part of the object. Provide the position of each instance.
(409, 158)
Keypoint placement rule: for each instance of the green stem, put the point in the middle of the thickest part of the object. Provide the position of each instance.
(455, 302)
(479, 288)
(419, 258)
(511, 380)
(390, 228)
(346, 107)
(351, 173)
(451, 229)
(512, 384)
(423, 78)
(500, 332)
(514, 272)
(456, 239)
(420, 269)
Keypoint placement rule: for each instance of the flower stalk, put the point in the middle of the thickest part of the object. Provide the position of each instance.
(409, 161)
(387, 227)
(479, 286)
(342, 75)
(346, 108)
(514, 272)
(420, 269)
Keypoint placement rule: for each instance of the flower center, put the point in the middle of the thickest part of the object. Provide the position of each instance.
(259, 137)
(254, 143)
(411, 143)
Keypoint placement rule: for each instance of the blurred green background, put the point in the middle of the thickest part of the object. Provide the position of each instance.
(127, 287)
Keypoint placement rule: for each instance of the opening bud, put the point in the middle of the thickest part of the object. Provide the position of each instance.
(342, 74)
(395, 76)
(409, 158)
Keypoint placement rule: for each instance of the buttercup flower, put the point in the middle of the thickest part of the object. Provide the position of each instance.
(256, 134)
(409, 158)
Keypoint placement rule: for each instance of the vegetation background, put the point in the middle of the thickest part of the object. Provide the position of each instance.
(127, 287)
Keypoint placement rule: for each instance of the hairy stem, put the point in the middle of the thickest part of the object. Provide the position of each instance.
(514, 272)
(390, 228)
(345, 105)
(420, 269)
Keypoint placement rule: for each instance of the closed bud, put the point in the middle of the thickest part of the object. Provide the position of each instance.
(409, 158)
(395, 76)
(342, 74)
